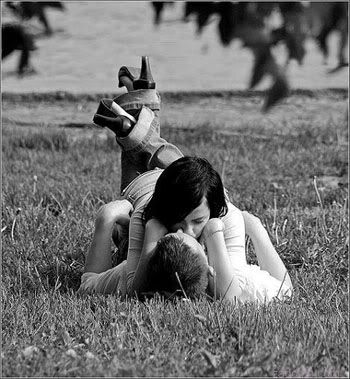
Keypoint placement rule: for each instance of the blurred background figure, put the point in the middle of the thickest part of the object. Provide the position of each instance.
(15, 37)
(324, 18)
(26, 10)
(247, 22)
(158, 7)
(221, 45)
(293, 31)
(250, 22)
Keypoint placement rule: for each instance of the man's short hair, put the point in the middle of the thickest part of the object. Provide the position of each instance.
(173, 261)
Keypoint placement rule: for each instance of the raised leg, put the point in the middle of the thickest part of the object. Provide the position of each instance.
(142, 147)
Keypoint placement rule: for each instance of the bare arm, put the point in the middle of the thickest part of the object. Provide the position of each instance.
(234, 234)
(154, 231)
(268, 258)
(224, 283)
(99, 256)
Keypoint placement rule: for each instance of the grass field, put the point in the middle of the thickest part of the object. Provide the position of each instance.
(289, 168)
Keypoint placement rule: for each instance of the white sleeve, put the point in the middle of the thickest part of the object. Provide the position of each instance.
(234, 235)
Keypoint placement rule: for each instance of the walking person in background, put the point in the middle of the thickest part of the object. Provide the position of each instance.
(15, 37)
(26, 10)
(186, 203)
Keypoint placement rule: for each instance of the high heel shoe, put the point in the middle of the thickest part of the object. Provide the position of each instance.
(145, 81)
(111, 115)
(133, 78)
(126, 77)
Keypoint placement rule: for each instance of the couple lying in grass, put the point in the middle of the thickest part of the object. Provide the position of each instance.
(184, 236)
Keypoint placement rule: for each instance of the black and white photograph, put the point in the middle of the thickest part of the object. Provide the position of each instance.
(174, 189)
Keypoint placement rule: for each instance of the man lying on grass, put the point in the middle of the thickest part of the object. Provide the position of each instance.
(178, 266)
(176, 197)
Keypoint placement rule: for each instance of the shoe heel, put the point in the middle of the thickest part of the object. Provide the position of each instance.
(145, 81)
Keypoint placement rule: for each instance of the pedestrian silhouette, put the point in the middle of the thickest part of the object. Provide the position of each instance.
(27, 10)
(15, 37)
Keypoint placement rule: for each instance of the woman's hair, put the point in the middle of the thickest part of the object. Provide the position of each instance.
(173, 261)
(180, 189)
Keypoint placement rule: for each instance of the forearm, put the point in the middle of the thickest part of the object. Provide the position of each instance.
(154, 231)
(99, 255)
(139, 283)
(225, 284)
(268, 258)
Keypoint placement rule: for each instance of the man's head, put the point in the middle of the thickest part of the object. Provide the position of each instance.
(179, 257)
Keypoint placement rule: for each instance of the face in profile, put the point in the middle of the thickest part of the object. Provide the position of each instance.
(194, 223)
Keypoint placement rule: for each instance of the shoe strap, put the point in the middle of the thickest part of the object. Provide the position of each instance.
(109, 108)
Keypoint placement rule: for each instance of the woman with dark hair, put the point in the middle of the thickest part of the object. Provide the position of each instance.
(168, 194)
(181, 188)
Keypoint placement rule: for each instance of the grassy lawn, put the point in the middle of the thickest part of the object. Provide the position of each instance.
(289, 168)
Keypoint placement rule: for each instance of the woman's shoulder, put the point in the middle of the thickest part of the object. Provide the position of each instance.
(232, 207)
(232, 212)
